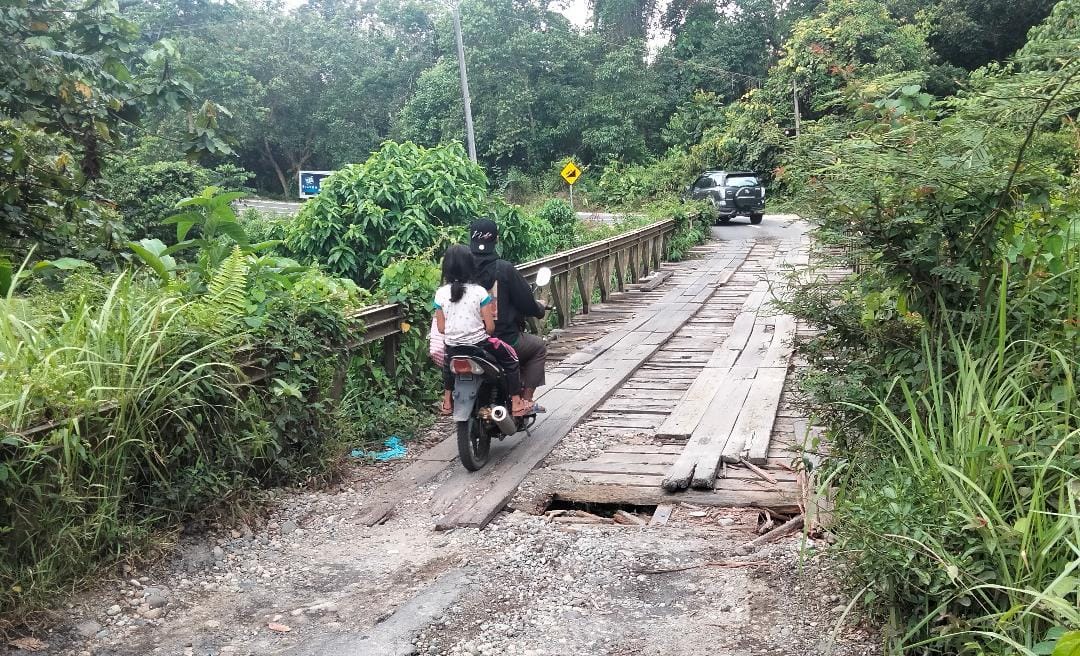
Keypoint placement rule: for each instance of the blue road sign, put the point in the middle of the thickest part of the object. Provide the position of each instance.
(311, 181)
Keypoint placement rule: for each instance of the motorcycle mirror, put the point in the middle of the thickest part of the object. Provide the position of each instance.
(543, 277)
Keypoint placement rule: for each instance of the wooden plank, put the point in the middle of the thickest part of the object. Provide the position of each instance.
(662, 514)
(657, 279)
(753, 354)
(758, 296)
(387, 495)
(645, 458)
(754, 427)
(740, 331)
(642, 449)
(620, 421)
(603, 278)
(648, 395)
(783, 341)
(661, 412)
(584, 285)
(593, 467)
(720, 431)
(708, 437)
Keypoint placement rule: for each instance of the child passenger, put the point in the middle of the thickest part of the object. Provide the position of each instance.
(465, 314)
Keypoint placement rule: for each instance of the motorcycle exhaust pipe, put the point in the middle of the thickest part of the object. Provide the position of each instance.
(503, 420)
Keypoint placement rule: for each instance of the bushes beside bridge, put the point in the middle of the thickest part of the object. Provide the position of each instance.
(946, 372)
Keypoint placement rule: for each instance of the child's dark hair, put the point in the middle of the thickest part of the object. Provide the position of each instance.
(457, 269)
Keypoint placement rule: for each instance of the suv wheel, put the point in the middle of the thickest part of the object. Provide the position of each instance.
(756, 218)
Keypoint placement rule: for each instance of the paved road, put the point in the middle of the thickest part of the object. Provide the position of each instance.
(289, 208)
(775, 227)
(599, 217)
(278, 207)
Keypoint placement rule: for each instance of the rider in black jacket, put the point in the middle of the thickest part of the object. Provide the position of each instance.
(515, 301)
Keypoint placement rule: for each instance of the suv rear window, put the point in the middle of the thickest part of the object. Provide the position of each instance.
(742, 181)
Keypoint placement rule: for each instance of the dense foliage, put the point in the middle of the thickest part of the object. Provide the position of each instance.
(72, 79)
(946, 372)
(125, 405)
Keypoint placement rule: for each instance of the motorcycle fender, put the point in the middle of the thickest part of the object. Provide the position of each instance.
(465, 391)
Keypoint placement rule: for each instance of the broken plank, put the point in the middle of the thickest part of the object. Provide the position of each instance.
(657, 279)
(758, 470)
(706, 444)
(650, 496)
(628, 519)
(661, 515)
(783, 343)
(753, 430)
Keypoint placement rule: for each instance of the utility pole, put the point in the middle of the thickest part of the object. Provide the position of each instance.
(470, 137)
(795, 97)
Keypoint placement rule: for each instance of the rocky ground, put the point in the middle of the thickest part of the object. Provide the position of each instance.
(305, 580)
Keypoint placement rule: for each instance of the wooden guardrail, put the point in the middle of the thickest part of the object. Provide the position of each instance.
(615, 261)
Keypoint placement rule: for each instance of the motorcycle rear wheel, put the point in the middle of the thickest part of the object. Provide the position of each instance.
(473, 443)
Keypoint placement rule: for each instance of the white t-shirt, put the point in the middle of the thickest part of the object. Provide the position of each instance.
(464, 325)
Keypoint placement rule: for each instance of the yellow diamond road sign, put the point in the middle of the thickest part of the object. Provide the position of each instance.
(570, 173)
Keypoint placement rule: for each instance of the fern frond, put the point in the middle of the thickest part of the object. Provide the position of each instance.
(226, 295)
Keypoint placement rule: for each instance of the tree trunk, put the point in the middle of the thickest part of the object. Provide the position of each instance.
(277, 169)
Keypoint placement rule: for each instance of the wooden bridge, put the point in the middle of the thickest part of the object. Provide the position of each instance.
(674, 388)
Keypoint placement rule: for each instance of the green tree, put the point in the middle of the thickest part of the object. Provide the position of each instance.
(624, 21)
(316, 87)
(74, 80)
(402, 202)
(971, 33)
(540, 89)
(845, 40)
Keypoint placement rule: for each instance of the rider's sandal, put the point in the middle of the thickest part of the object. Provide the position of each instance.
(538, 409)
(525, 409)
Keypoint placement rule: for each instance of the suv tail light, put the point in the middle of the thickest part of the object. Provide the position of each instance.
(465, 366)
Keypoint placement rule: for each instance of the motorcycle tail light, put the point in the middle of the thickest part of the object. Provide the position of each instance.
(465, 366)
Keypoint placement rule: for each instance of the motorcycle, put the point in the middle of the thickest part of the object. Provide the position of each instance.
(482, 400)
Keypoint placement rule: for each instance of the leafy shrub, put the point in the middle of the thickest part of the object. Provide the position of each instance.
(946, 366)
(403, 201)
(692, 221)
(263, 226)
(144, 193)
(977, 515)
(123, 404)
(562, 219)
(518, 186)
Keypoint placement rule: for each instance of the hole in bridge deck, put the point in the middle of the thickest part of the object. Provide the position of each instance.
(600, 509)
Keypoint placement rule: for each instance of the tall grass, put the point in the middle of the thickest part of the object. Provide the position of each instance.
(1001, 446)
(106, 383)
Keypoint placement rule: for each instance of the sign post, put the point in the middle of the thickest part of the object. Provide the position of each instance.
(311, 182)
(571, 173)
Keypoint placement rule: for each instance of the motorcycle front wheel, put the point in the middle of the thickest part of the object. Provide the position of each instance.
(473, 443)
